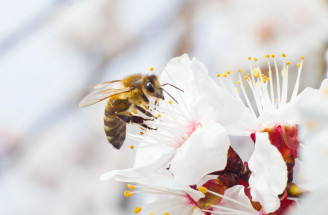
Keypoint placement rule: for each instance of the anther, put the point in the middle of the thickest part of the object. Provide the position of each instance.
(238, 82)
(218, 75)
(287, 63)
(273, 56)
(132, 147)
(208, 205)
(151, 69)
(131, 186)
(267, 56)
(170, 102)
(166, 213)
(249, 58)
(228, 72)
(202, 189)
(298, 64)
(283, 55)
(159, 115)
(224, 75)
(302, 57)
(141, 133)
(239, 70)
(128, 193)
(255, 59)
(137, 210)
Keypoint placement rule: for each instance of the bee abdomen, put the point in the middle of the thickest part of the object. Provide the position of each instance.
(115, 128)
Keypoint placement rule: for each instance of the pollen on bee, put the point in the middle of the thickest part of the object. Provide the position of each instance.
(170, 102)
(137, 210)
(202, 189)
(151, 69)
(132, 147)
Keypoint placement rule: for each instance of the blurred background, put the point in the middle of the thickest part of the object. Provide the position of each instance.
(51, 151)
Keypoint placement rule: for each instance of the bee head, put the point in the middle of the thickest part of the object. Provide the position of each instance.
(153, 87)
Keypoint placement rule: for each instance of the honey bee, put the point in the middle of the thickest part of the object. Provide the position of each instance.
(126, 96)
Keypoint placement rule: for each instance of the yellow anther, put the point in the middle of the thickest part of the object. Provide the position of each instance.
(224, 75)
(249, 58)
(170, 102)
(159, 115)
(152, 214)
(311, 124)
(141, 133)
(325, 91)
(208, 205)
(132, 147)
(151, 69)
(239, 70)
(277, 100)
(131, 186)
(237, 91)
(195, 208)
(256, 72)
(137, 210)
(298, 64)
(267, 56)
(166, 213)
(238, 82)
(295, 190)
(283, 55)
(228, 72)
(268, 79)
(255, 59)
(202, 189)
(302, 57)
(273, 55)
(128, 193)
(218, 75)
(287, 63)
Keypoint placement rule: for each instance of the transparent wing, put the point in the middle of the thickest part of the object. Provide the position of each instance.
(103, 91)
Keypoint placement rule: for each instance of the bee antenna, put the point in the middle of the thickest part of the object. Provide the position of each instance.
(170, 95)
(173, 86)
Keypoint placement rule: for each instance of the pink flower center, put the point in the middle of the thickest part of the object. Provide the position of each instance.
(191, 127)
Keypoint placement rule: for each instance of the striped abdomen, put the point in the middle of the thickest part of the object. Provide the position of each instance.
(115, 128)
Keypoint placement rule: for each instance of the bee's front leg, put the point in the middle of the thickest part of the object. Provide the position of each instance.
(144, 111)
(135, 119)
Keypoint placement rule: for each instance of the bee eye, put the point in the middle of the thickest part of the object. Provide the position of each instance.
(149, 87)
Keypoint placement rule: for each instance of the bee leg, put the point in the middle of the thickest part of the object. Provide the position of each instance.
(144, 111)
(135, 119)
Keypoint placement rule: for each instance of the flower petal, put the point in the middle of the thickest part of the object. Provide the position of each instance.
(204, 152)
(269, 173)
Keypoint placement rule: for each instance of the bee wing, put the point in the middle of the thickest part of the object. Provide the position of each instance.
(103, 91)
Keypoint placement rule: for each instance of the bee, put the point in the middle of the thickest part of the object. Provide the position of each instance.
(126, 96)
